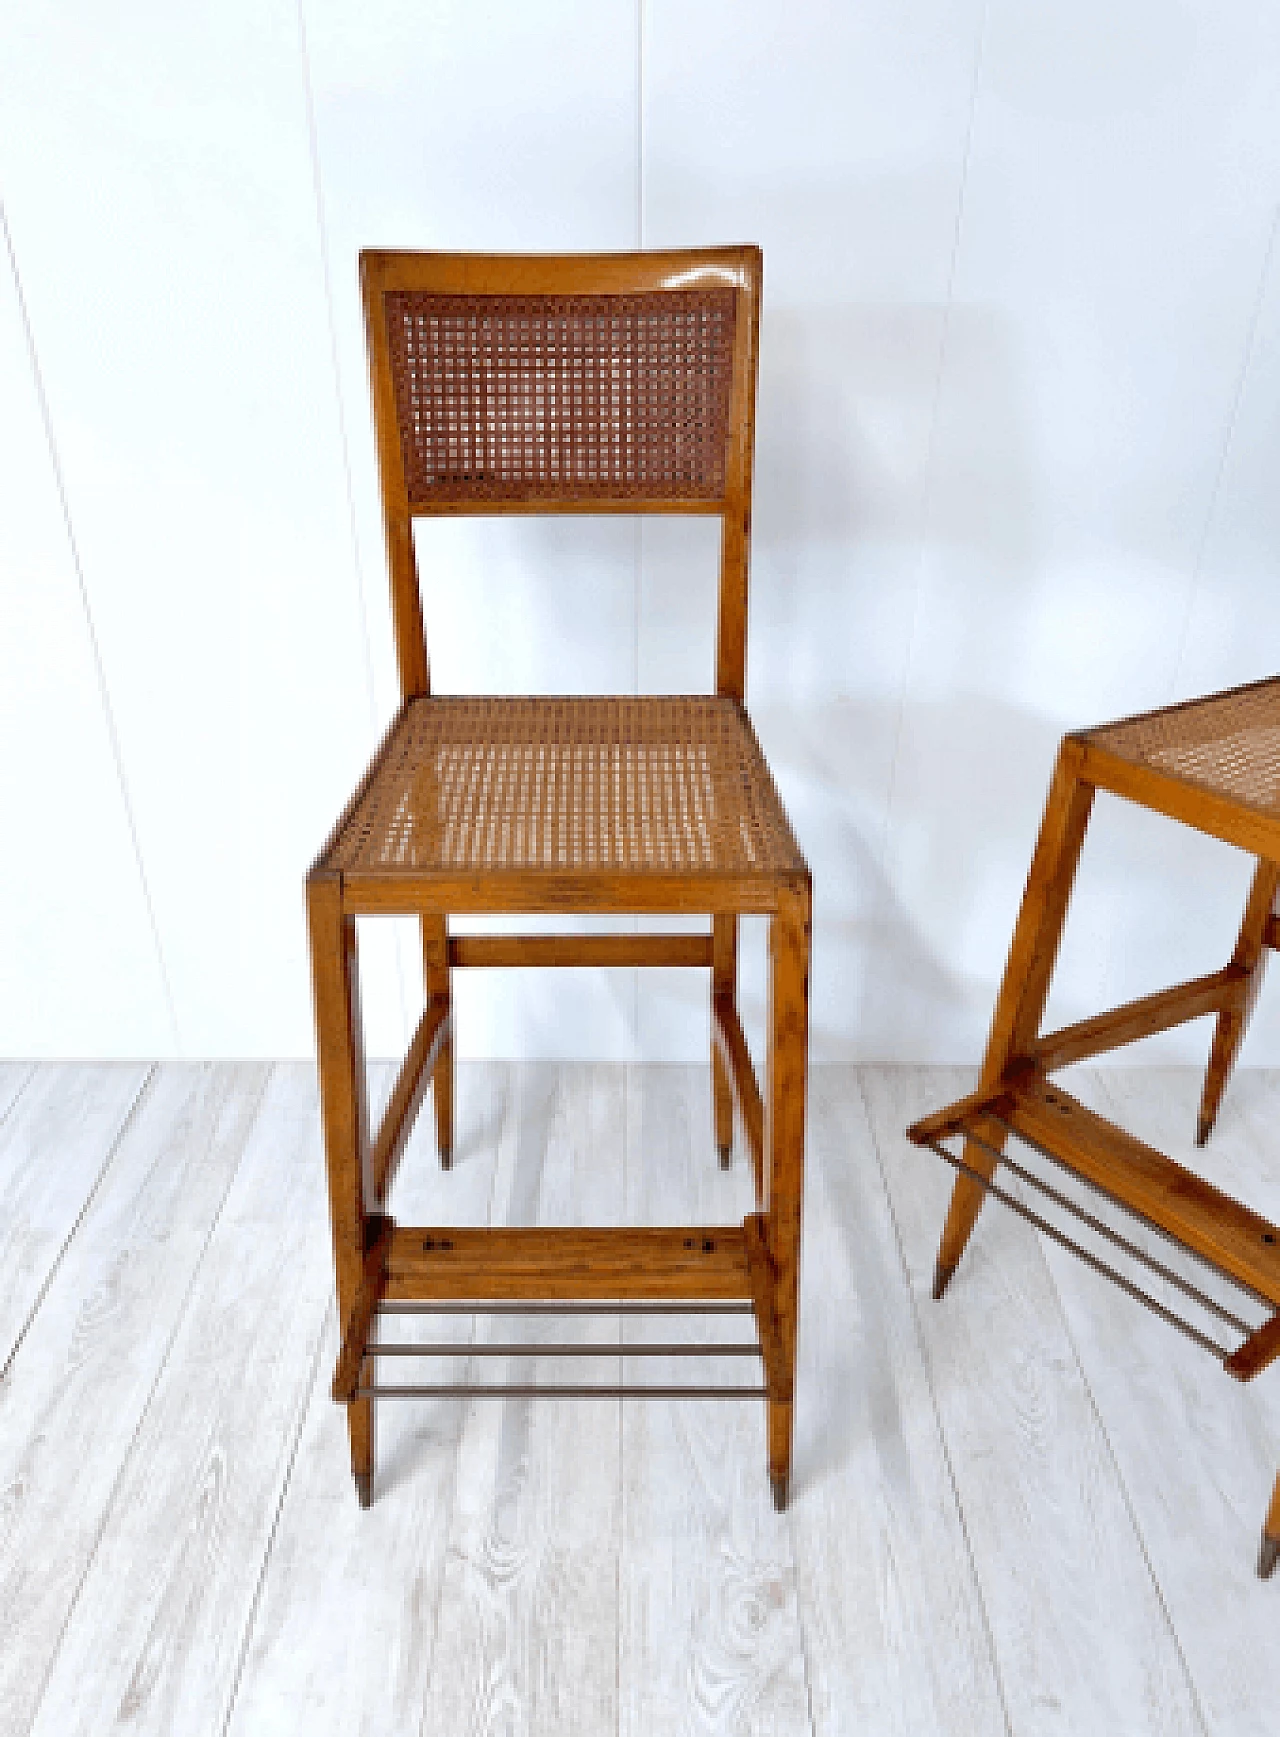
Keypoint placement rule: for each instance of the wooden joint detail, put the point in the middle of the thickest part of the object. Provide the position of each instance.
(1219, 992)
(408, 1092)
(507, 951)
(550, 1264)
(763, 1276)
(959, 1117)
(355, 1334)
(1257, 1353)
(731, 1042)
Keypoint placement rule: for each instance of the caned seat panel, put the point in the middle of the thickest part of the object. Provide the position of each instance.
(1228, 744)
(575, 786)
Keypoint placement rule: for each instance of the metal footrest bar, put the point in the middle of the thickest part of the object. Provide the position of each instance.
(546, 1390)
(1187, 1328)
(562, 1307)
(1138, 1253)
(538, 1350)
(1148, 1260)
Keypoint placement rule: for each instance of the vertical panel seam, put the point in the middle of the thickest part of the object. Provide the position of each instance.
(636, 1046)
(344, 443)
(929, 469)
(104, 692)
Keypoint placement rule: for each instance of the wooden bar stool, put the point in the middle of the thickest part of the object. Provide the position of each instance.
(620, 383)
(1215, 765)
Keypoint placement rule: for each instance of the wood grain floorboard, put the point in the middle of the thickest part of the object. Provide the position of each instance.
(896, 1636)
(526, 1635)
(710, 1638)
(343, 1637)
(74, 1395)
(155, 1639)
(1082, 1639)
(56, 1139)
(14, 1076)
(1030, 1507)
(1197, 1451)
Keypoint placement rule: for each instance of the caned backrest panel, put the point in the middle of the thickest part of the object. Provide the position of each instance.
(536, 399)
(590, 383)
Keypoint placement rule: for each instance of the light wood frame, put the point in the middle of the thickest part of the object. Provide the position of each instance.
(756, 1263)
(1013, 1094)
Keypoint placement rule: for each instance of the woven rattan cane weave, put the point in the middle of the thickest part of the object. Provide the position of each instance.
(1214, 764)
(517, 397)
(567, 785)
(1227, 744)
(599, 383)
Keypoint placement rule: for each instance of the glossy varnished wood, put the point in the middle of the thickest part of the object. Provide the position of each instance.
(691, 1262)
(730, 1048)
(1221, 992)
(1250, 961)
(695, 1263)
(1207, 764)
(559, 951)
(424, 1058)
(1024, 989)
(1238, 1242)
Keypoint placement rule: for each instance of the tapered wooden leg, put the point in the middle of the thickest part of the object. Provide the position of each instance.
(724, 980)
(784, 1155)
(1269, 1555)
(435, 961)
(1025, 986)
(344, 1111)
(1228, 1034)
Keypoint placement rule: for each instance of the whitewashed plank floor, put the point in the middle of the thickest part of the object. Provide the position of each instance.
(1031, 1508)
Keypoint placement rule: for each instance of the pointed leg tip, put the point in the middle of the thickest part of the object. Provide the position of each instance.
(1204, 1127)
(726, 1156)
(446, 1157)
(941, 1279)
(364, 1488)
(780, 1484)
(1268, 1556)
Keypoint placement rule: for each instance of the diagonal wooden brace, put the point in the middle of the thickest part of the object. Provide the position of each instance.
(731, 1042)
(408, 1092)
(355, 1336)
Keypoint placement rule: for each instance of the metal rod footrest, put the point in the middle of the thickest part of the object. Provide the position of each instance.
(546, 1390)
(1095, 1224)
(463, 1349)
(366, 1388)
(561, 1307)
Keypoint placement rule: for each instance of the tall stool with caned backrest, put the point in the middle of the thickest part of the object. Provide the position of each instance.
(617, 383)
(1214, 764)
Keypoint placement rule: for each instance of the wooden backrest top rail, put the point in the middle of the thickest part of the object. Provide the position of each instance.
(576, 383)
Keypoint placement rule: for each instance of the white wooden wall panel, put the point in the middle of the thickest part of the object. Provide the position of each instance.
(158, 182)
(1122, 181)
(1021, 352)
(78, 965)
(495, 127)
(835, 137)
